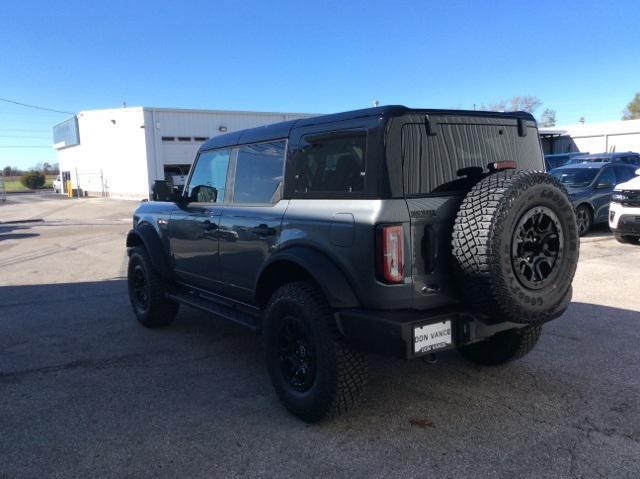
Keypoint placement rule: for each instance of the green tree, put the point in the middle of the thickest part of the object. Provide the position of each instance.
(632, 111)
(33, 180)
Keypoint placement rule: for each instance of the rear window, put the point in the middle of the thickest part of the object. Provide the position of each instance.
(432, 163)
(330, 163)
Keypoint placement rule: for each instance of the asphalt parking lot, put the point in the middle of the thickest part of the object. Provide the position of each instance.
(86, 392)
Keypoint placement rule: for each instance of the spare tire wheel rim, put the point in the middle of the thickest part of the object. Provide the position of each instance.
(536, 247)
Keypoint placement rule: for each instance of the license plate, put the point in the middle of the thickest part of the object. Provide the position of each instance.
(431, 337)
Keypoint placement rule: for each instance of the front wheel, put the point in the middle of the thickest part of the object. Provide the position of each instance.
(314, 371)
(584, 218)
(148, 292)
(503, 347)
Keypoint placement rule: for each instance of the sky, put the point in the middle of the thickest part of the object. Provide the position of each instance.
(581, 59)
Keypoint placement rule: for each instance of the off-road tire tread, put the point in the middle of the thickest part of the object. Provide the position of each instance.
(162, 311)
(475, 249)
(349, 366)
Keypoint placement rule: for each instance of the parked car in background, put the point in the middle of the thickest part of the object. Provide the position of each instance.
(624, 213)
(590, 185)
(57, 184)
(627, 157)
(554, 160)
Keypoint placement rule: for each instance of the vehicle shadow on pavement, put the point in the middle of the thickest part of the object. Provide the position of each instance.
(6, 232)
(82, 381)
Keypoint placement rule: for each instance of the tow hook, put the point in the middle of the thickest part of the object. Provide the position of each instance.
(430, 358)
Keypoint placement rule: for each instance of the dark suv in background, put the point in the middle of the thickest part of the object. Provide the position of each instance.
(590, 185)
(388, 230)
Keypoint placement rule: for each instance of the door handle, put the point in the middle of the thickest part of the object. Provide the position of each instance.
(264, 231)
(208, 225)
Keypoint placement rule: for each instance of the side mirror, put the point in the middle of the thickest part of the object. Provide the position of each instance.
(604, 185)
(204, 194)
(161, 191)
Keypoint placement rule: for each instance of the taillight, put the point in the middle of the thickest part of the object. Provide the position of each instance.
(391, 253)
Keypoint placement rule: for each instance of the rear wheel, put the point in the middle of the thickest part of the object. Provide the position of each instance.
(148, 291)
(314, 372)
(584, 218)
(503, 347)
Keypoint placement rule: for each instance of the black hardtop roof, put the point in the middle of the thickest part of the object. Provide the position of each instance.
(283, 129)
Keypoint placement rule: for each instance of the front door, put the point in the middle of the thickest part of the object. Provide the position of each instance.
(194, 228)
(250, 226)
(603, 187)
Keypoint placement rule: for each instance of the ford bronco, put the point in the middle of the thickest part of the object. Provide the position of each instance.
(387, 230)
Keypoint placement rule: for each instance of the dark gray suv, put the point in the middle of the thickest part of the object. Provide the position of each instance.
(387, 230)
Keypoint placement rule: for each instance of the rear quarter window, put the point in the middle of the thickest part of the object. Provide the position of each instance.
(330, 163)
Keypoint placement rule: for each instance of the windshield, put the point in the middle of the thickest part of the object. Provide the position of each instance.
(575, 177)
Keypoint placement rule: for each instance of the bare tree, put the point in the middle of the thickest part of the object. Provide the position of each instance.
(528, 103)
(548, 118)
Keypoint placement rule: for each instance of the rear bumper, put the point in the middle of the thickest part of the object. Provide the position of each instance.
(391, 333)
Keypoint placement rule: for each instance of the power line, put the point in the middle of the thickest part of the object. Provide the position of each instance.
(24, 146)
(25, 136)
(25, 129)
(26, 105)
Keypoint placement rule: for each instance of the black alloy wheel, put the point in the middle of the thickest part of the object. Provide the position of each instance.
(583, 218)
(536, 247)
(297, 358)
(140, 288)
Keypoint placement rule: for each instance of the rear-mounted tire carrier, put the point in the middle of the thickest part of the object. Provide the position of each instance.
(515, 244)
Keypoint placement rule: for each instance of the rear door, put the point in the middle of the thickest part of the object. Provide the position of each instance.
(250, 225)
(440, 156)
(194, 229)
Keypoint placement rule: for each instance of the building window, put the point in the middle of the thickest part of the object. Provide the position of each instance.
(168, 138)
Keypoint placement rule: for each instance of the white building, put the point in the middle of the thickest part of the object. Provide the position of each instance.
(610, 136)
(121, 152)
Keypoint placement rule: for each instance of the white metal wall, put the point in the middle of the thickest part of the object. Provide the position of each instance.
(121, 151)
(111, 156)
(192, 124)
(600, 137)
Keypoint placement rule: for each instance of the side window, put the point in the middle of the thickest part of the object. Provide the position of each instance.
(607, 176)
(210, 171)
(624, 174)
(332, 164)
(259, 172)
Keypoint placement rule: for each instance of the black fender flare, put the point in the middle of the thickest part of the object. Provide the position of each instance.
(321, 268)
(146, 235)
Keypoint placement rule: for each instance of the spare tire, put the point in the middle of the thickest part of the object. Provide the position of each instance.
(516, 246)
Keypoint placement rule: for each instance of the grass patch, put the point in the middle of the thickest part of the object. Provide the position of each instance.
(12, 184)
